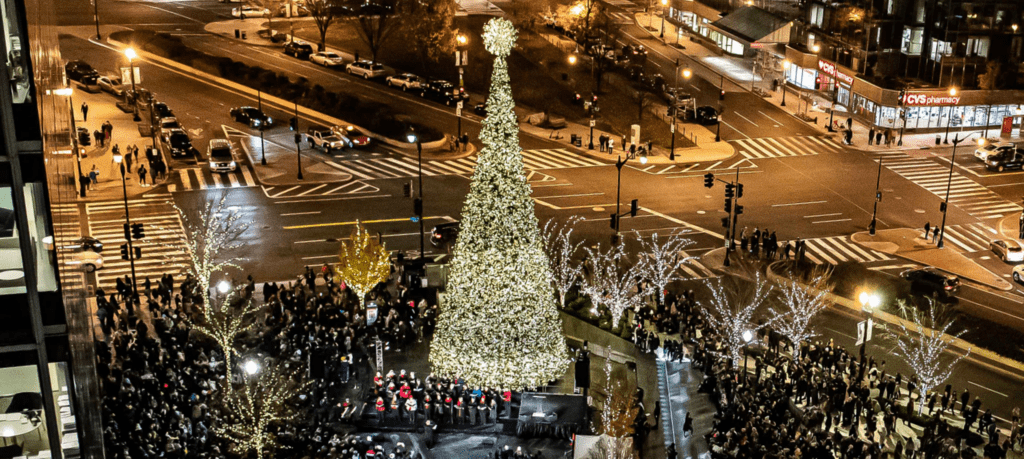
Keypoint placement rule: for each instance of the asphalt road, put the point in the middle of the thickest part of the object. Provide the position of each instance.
(818, 194)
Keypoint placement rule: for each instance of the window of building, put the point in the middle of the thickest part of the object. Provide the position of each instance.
(816, 14)
(978, 46)
(913, 39)
(23, 412)
(12, 274)
(940, 48)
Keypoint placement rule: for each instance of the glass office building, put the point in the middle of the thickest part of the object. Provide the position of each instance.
(48, 386)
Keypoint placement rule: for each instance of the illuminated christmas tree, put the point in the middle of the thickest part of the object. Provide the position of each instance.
(499, 325)
(364, 262)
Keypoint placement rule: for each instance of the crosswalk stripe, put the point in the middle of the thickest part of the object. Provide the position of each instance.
(285, 191)
(216, 181)
(797, 147)
(312, 190)
(185, 181)
(693, 274)
(782, 150)
(846, 250)
(762, 151)
(406, 167)
(232, 180)
(248, 177)
(200, 181)
(450, 168)
(701, 267)
(956, 239)
(349, 170)
(821, 253)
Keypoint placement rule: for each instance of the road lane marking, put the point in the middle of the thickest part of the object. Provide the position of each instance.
(570, 195)
(766, 116)
(364, 222)
(346, 198)
(300, 213)
(734, 128)
(798, 203)
(745, 118)
(992, 309)
(322, 185)
(990, 390)
(823, 215)
(832, 221)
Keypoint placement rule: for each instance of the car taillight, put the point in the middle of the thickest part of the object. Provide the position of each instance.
(949, 286)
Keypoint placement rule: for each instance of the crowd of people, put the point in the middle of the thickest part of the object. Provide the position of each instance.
(163, 380)
(405, 399)
(814, 406)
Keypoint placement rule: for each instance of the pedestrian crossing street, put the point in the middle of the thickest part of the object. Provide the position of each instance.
(620, 18)
(621, 3)
(324, 189)
(693, 269)
(400, 166)
(778, 147)
(839, 249)
(203, 179)
(661, 169)
(162, 249)
(970, 196)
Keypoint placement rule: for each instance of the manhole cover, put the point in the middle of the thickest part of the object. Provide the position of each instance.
(599, 209)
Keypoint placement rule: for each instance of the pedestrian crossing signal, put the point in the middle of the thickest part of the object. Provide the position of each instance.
(739, 209)
(709, 180)
(739, 190)
(417, 207)
(614, 217)
(138, 232)
(407, 190)
(633, 208)
(138, 252)
(293, 124)
(721, 95)
(729, 190)
(942, 207)
(728, 205)
(124, 252)
(725, 222)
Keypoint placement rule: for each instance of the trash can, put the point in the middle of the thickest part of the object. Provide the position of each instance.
(238, 34)
(572, 139)
(243, 35)
(938, 140)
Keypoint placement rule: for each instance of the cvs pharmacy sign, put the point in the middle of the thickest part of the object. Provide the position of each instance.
(831, 69)
(921, 99)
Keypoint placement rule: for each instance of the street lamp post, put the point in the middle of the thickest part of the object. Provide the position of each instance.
(748, 336)
(131, 55)
(949, 118)
(460, 63)
(119, 159)
(785, 68)
(718, 129)
(96, 17)
(263, 144)
(298, 138)
(687, 73)
(949, 184)
(868, 302)
(419, 197)
(664, 4)
(618, 186)
(878, 197)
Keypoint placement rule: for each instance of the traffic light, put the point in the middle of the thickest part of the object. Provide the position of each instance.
(124, 251)
(417, 207)
(725, 222)
(942, 207)
(293, 124)
(739, 209)
(298, 138)
(615, 239)
(739, 190)
(903, 94)
(709, 180)
(138, 231)
(614, 217)
(671, 112)
(729, 190)
(633, 207)
(127, 232)
(728, 205)
(721, 95)
(593, 98)
(407, 189)
(138, 252)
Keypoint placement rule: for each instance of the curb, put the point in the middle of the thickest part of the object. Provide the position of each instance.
(889, 318)
(276, 100)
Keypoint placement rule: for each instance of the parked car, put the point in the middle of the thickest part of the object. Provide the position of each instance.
(249, 11)
(327, 59)
(169, 122)
(635, 50)
(366, 69)
(178, 142)
(443, 91)
(298, 49)
(931, 280)
(252, 116)
(90, 83)
(444, 234)
(77, 69)
(1007, 250)
(706, 115)
(480, 109)
(352, 136)
(111, 84)
(326, 139)
(221, 156)
(1018, 274)
(162, 110)
(1005, 159)
(990, 149)
(406, 81)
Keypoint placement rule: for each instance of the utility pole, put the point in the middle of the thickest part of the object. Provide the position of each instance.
(878, 198)
(298, 139)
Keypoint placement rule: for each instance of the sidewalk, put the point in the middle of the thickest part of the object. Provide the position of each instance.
(805, 105)
(124, 134)
(907, 243)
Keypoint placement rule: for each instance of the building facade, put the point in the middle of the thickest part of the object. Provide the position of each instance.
(48, 387)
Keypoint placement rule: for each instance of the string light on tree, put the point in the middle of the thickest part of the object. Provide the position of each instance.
(660, 260)
(250, 411)
(499, 325)
(732, 310)
(607, 285)
(364, 262)
(217, 230)
(224, 322)
(922, 339)
(618, 416)
(557, 238)
(801, 302)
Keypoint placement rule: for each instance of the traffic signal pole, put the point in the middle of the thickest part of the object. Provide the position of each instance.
(127, 234)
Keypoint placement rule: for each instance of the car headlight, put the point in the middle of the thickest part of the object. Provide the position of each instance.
(233, 164)
(270, 120)
(255, 122)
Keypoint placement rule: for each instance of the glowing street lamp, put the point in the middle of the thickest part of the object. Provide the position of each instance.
(748, 337)
(785, 68)
(251, 367)
(572, 59)
(868, 303)
(223, 287)
(664, 3)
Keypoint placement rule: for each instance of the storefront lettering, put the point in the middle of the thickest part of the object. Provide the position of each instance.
(830, 69)
(918, 99)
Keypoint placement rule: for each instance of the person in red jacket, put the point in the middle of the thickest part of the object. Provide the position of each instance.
(380, 410)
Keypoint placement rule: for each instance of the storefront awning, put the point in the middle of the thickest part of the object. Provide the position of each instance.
(754, 25)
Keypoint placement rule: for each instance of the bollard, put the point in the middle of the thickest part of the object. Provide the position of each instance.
(238, 34)
(243, 35)
(938, 140)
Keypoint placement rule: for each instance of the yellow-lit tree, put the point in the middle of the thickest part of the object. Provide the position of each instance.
(364, 262)
(618, 415)
(249, 412)
(224, 322)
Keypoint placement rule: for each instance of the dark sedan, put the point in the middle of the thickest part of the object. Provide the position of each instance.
(706, 115)
(252, 116)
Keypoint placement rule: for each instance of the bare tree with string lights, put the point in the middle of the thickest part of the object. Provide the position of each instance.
(733, 309)
(223, 322)
(250, 412)
(557, 239)
(800, 302)
(217, 230)
(609, 286)
(618, 416)
(922, 337)
(364, 262)
(660, 259)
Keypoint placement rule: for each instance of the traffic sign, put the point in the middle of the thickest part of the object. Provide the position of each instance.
(593, 123)
(458, 111)
(458, 105)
